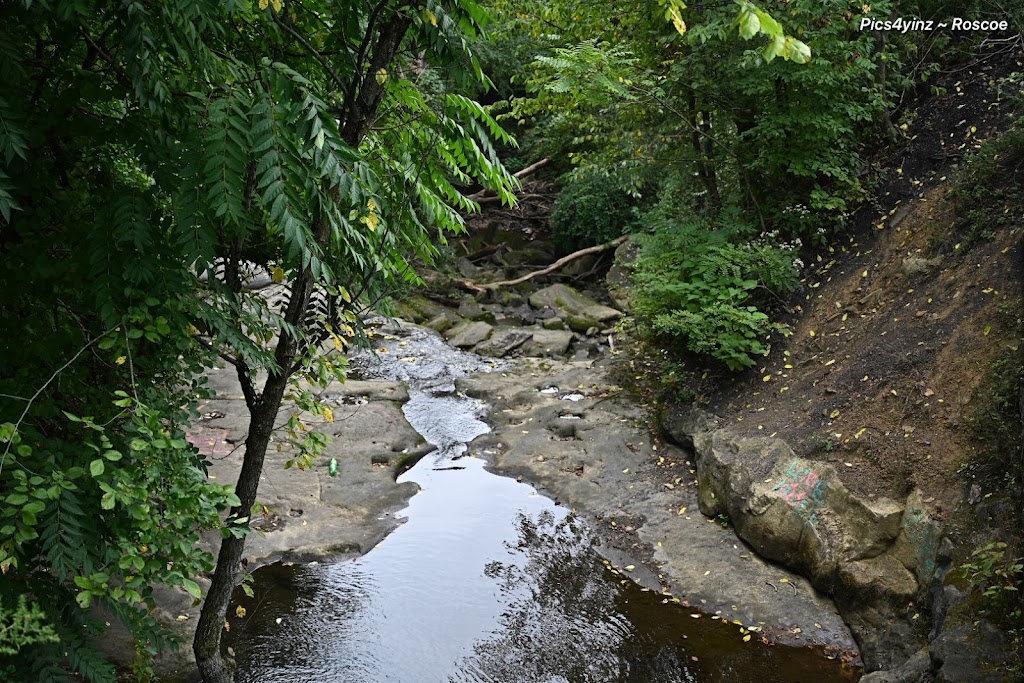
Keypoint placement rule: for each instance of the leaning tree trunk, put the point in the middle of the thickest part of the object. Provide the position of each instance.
(262, 414)
(207, 644)
(360, 107)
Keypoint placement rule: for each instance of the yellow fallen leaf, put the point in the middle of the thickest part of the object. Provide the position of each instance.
(277, 274)
(746, 638)
(766, 378)
(834, 414)
(783, 580)
(328, 414)
(811, 333)
(988, 328)
(630, 567)
(682, 510)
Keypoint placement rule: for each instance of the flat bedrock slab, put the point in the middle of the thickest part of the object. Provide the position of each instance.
(309, 514)
(596, 454)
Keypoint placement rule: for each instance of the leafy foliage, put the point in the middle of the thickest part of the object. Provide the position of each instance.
(998, 577)
(590, 210)
(698, 289)
(155, 159)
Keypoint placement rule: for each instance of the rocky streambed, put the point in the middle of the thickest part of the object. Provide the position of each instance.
(680, 527)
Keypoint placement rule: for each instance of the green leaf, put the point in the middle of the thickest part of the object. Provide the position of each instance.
(750, 25)
(193, 588)
(96, 467)
(799, 52)
(17, 499)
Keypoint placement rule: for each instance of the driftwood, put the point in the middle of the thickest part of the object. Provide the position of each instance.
(491, 286)
(477, 196)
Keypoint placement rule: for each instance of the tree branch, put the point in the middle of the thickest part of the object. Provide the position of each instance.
(490, 286)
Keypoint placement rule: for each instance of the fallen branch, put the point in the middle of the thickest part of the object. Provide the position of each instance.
(477, 196)
(522, 197)
(490, 286)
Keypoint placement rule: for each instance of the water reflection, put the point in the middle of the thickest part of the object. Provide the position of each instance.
(563, 623)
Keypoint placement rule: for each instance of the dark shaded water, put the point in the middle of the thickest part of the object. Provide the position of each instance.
(487, 582)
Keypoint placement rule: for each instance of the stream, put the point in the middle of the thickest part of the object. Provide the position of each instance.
(487, 581)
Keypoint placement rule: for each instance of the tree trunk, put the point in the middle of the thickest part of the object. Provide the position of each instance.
(263, 409)
(703, 149)
(883, 120)
(207, 644)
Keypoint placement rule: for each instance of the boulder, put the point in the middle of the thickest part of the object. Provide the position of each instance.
(915, 265)
(579, 310)
(680, 424)
(970, 653)
(417, 309)
(503, 342)
(553, 324)
(468, 333)
(799, 513)
(618, 278)
(547, 343)
(917, 669)
(473, 310)
(444, 322)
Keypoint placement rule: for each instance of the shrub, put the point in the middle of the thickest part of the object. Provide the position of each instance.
(708, 290)
(589, 210)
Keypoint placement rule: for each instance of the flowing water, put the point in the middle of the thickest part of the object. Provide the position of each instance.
(487, 581)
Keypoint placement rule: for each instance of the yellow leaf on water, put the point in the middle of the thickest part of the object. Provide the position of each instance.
(630, 567)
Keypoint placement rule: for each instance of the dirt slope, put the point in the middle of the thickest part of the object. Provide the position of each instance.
(899, 320)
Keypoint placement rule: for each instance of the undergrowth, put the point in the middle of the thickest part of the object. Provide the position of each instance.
(989, 191)
(707, 289)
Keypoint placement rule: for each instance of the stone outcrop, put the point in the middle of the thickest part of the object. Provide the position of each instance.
(799, 513)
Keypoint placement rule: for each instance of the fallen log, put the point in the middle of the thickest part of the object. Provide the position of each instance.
(491, 286)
